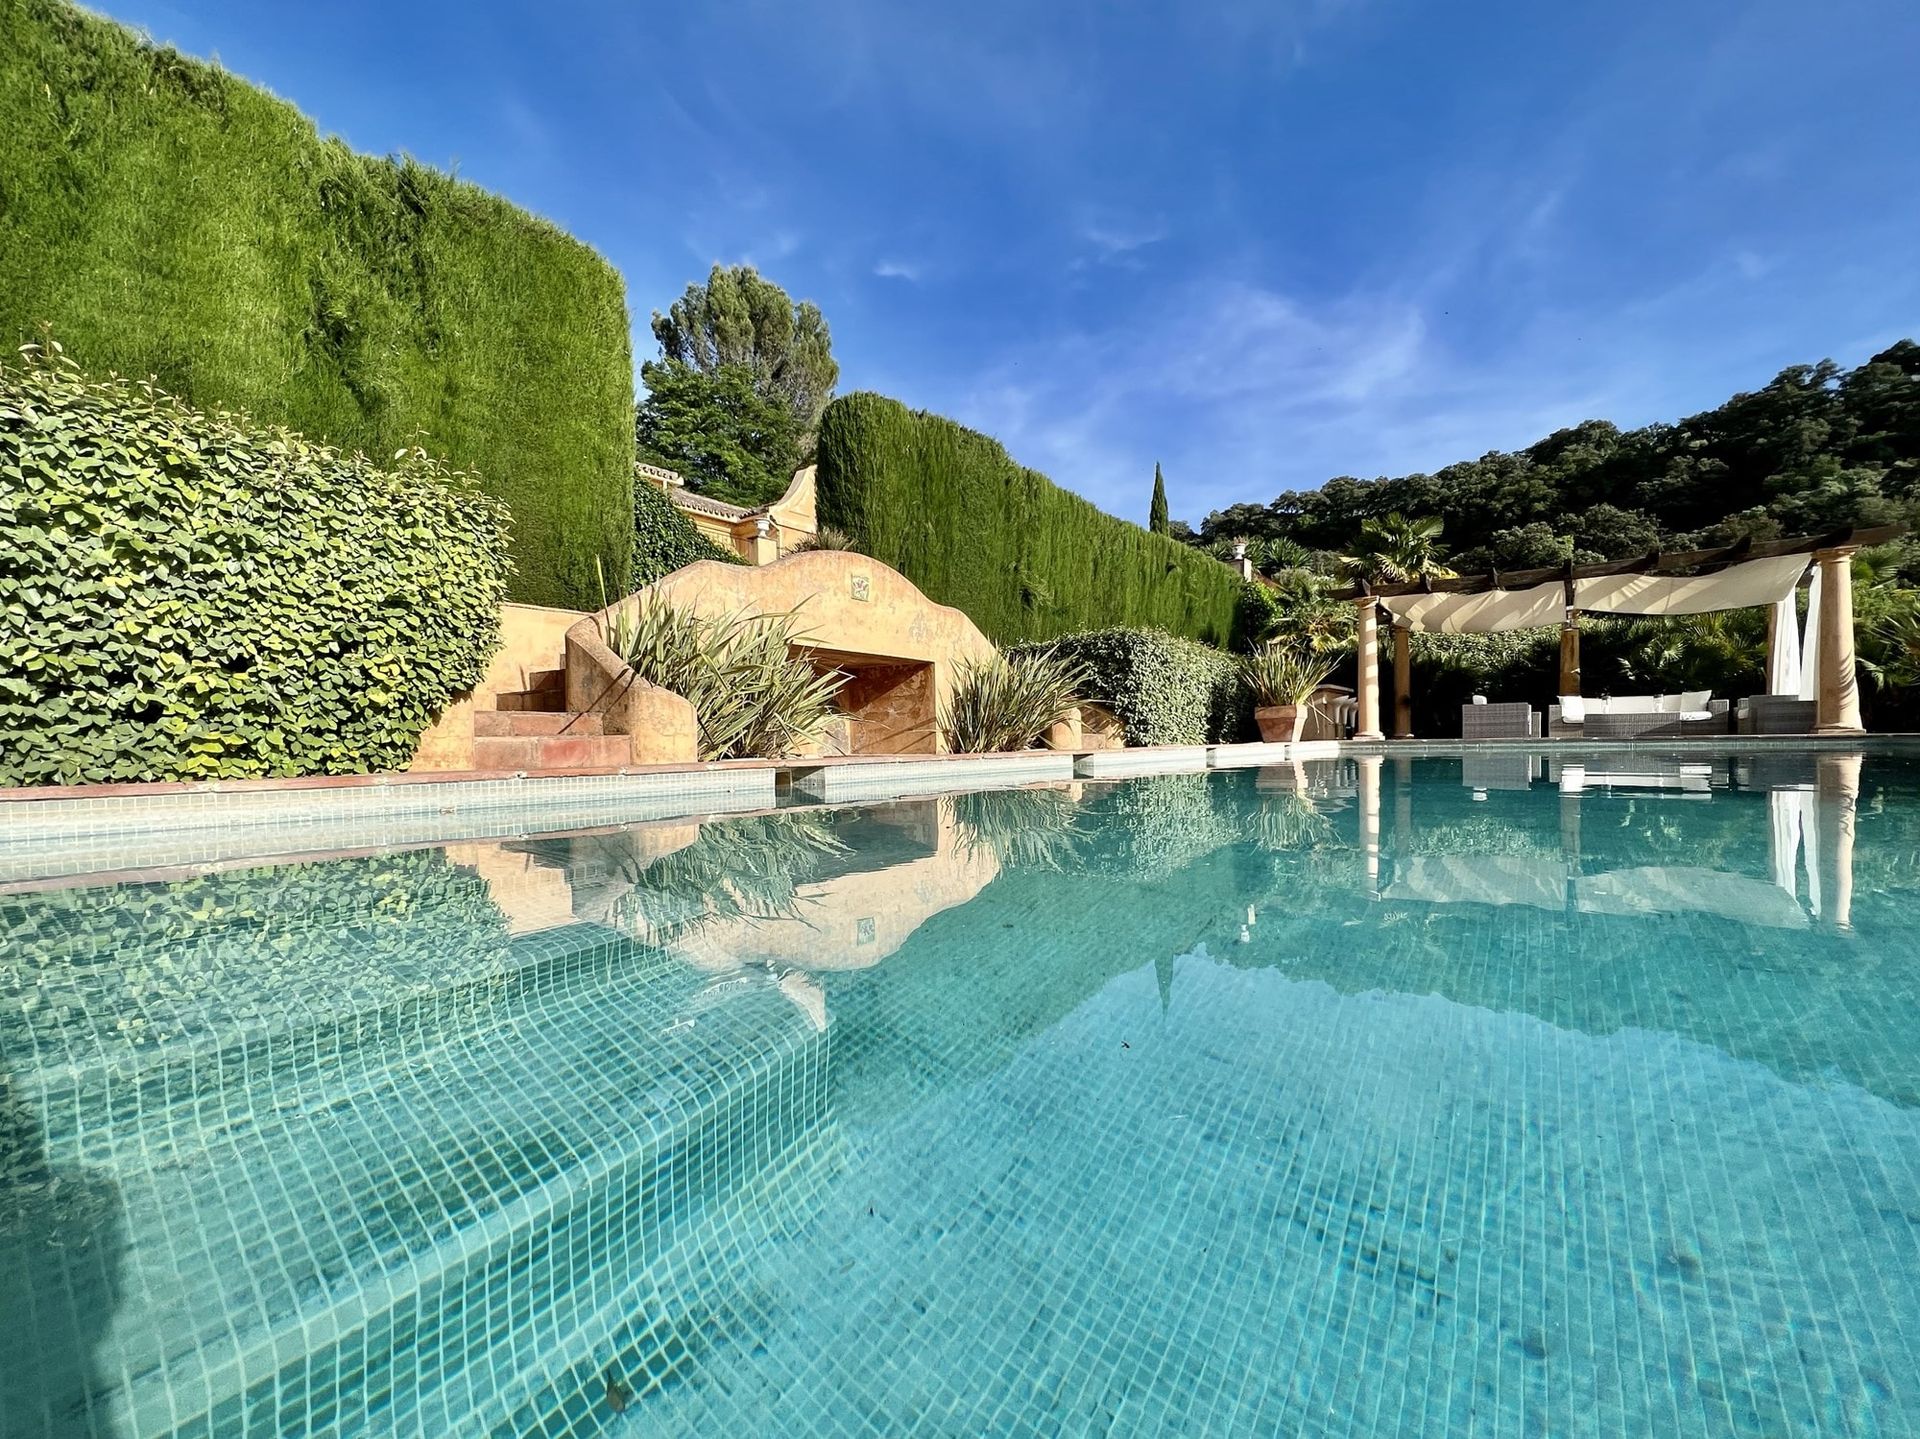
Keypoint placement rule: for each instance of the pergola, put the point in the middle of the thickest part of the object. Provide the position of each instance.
(1690, 582)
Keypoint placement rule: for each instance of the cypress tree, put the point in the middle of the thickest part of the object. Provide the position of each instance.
(1157, 515)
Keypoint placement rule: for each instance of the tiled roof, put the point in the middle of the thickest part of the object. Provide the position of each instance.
(703, 505)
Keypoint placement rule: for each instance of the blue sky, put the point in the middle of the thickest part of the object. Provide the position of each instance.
(1261, 243)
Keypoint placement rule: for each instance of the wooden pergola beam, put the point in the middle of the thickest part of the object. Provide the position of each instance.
(1656, 563)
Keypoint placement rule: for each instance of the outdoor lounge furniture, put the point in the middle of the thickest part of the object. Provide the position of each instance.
(1512, 720)
(1776, 714)
(1629, 716)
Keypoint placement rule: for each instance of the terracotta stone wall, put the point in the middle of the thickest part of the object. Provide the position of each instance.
(860, 615)
(532, 637)
(892, 708)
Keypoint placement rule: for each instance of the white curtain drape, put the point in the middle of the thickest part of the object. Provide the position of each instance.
(1738, 587)
(1486, 613)
(1810, 643)
(1783, 656)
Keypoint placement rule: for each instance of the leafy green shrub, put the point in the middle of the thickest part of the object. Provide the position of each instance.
(753, 697)
(184, 597)
(1025, 559)
(664, 538)
(1165, 690)
(1009, 701)
(171, 220)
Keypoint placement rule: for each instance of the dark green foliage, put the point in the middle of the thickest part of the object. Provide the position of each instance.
(288, 944)
(1157, 511)
(184, 597)
(1027, 560)
(171, 220)
(1818, 449)
(664, 538)
(725, 438)
(739, 318)
(1166, 690)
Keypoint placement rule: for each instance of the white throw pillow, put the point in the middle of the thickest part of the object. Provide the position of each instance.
(1694, 699)
(1573, 709)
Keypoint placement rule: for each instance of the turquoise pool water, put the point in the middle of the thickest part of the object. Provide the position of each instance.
(1483, 1096)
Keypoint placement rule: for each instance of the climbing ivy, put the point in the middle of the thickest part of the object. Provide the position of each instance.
(185, 596)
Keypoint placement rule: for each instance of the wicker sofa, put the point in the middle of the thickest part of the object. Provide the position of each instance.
(1694, 712)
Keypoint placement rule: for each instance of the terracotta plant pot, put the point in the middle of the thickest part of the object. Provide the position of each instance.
(1280, 724)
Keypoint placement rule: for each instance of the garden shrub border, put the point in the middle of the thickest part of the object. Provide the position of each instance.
(1164, 689)
(183, 596)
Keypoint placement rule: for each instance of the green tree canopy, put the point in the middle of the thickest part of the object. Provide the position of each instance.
(728, 440)
(1157, 513)
(741, 320)
(1818, 448)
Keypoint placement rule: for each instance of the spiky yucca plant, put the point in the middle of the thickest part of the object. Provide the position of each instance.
(1009, 701)
(753, 696)
(1282, 675)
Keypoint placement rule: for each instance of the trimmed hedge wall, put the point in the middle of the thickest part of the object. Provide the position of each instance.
(664, 539)
(184, 598)
(1025, 559)
(170, 220)
(1165, 690)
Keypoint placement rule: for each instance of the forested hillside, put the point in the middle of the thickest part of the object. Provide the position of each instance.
(1818, 449)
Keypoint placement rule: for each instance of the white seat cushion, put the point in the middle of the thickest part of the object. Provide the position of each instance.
(1696, 714)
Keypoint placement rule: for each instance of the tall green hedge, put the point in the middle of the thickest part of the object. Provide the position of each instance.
(168, 219)
(184, 597)
(949, 509)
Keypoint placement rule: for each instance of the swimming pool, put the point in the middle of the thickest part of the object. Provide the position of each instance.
(1488, 1095)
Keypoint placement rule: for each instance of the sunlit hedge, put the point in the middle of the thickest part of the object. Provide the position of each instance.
(1027, 560)
(183, 596)
(1165, 690)
(168, 219)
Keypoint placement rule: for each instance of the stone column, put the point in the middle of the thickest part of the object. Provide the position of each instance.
(766, 546)
(1369, 765)
(1402, 683)
(1839, 690)
(1367, 685)
(1570, 655)
(1837, 796)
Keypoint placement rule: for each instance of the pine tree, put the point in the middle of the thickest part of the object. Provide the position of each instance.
(1157, 515)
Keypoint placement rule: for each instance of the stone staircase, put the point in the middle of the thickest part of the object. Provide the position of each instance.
(532, 729)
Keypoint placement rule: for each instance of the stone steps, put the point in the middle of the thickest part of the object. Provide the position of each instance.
(537, 752)
(515, 724)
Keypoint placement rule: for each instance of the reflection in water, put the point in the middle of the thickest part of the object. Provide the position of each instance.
(752, 1122)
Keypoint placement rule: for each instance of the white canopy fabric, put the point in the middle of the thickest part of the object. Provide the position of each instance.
(1480, 614)
(1756, 582)
(1783, 654)
(1810, 643)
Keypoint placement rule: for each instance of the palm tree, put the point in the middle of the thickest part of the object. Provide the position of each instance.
(1397, 550)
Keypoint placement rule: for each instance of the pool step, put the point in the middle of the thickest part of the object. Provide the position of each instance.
(594, 1121)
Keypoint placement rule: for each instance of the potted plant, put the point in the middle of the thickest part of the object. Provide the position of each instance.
(1281, 678)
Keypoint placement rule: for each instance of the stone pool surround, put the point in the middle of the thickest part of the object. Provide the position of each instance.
(56, 830)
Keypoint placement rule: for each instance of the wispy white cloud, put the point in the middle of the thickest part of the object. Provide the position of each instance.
(908, 270)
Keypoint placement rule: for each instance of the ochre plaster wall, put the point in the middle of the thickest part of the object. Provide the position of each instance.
(532, 637)
(858, 614)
